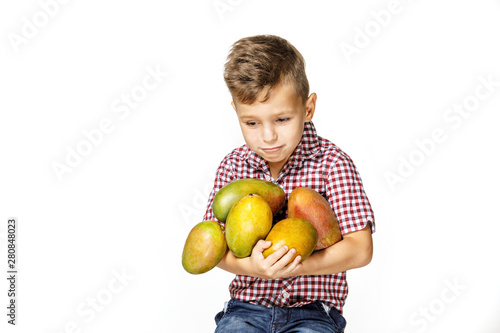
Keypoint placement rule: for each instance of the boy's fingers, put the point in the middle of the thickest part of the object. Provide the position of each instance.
(266, 244)
(288, 257)
(261, 245)
(291, 266)
(296, 262)
(276, 255)
(284, 257)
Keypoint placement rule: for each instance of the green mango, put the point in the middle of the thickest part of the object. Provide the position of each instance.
(228, 195)
(204, 248)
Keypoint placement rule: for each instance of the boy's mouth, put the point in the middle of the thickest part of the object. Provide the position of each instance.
(271, 149)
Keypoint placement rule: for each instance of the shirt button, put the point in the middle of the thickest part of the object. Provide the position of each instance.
(285, 294)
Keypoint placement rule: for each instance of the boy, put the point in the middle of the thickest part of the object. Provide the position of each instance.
(266, 78)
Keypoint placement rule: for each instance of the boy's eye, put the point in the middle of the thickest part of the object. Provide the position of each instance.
(282, 120)
(251, 123)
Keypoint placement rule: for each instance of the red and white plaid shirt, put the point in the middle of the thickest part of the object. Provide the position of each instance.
(318, 164)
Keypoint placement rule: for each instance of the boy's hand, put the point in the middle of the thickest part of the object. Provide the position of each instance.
(276, 264)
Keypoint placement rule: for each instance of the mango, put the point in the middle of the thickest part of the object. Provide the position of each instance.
(295, 233)
(204, 248)
(249, 220)
(228, 195)
(311, 206)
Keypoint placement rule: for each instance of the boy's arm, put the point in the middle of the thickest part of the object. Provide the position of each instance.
(353, 251)
(345, 193)
(273, 267)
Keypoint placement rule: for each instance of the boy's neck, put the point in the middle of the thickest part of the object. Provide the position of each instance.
(275, 174)
(275, 169)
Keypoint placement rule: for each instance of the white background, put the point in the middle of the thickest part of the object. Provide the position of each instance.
(128, 205)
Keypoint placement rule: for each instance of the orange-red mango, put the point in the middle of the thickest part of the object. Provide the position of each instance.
(311, 206)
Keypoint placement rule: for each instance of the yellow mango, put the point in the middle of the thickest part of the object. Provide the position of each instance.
(249, 220)
(295, 233)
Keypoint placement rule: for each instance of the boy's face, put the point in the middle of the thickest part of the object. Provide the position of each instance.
(273, 129)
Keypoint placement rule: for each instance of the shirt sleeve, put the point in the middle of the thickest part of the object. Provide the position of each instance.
(223, 176)
(347, 197)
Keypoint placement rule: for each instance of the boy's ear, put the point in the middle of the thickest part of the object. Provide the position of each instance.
(310, 106)
(233, 105)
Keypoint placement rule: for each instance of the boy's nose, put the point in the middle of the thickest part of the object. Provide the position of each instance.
(269, 134)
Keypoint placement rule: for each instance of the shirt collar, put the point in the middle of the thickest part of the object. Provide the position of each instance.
(307, 148)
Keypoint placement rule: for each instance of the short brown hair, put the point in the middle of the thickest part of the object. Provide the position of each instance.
(262, 62)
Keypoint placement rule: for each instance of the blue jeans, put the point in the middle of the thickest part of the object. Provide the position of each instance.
(242, 317)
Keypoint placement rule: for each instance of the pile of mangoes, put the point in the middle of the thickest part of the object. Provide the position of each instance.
(247, 206)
